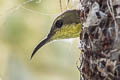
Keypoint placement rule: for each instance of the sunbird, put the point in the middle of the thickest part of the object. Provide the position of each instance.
(66, 25)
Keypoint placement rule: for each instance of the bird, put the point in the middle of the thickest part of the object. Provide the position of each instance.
(65, 26)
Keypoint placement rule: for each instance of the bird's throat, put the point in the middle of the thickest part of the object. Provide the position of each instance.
(68, 31)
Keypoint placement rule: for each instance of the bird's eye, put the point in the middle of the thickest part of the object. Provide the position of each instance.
(59, 23)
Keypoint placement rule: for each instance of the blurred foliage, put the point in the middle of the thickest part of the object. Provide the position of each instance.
(14, 30)
(23, 24)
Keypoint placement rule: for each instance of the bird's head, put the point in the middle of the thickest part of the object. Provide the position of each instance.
(66, 25)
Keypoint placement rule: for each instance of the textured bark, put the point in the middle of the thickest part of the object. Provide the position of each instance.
(100, 40)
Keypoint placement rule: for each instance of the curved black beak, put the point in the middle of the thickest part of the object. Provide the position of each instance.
(46, 40)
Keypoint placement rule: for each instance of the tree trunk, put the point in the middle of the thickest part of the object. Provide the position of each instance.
(100, 40)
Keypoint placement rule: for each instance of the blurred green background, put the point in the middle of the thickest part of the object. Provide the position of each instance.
(23, 24)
